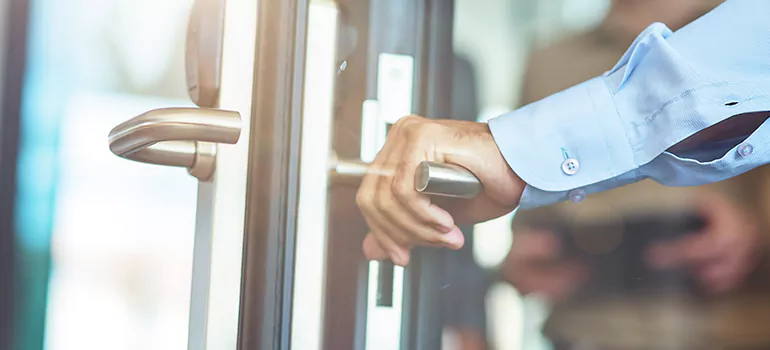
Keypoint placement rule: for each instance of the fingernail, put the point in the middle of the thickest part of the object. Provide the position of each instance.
(454, 238)
(399, 257)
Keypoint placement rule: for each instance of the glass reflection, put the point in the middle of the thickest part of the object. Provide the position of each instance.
(119, 234)
(638, 267)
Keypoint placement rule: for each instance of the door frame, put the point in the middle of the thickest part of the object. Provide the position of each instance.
(422, 321)
(347, 271)
(273, 170)
(424, 31)
(15, 33)
(273, 176)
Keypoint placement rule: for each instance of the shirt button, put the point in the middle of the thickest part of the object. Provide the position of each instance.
(745, 149)
(577, 196)
(570, 166)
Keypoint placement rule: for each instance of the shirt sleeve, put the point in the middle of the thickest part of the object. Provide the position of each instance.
(617, 128)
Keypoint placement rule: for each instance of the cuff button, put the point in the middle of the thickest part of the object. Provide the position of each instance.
(745, 150)
(577, 196)
(570, 166)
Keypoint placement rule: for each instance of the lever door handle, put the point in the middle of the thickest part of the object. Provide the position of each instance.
(181, 137)
(436, 179)
(432, 178)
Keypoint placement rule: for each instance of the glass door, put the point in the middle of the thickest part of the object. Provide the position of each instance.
(300, 101)
(212, 140)
(475, 60)
(367, 64)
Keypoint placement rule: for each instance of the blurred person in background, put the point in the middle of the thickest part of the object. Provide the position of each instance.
(724, 258)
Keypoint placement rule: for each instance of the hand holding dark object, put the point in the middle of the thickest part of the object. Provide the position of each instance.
(399, 217)
(720, 256)
(537, 264)
(588, 259)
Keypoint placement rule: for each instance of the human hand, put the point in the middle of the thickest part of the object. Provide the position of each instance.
(722, 255)
(536, 264)
(399, 217)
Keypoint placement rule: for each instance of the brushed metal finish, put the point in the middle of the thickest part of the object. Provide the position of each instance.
(346, 171)
(181, 137)
(448, 180)
(436, 179)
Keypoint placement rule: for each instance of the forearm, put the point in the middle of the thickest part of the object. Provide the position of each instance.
(618, 128)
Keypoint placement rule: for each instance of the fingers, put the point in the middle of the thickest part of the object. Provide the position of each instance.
(536, 265)
(722, 254)
(393, 208)
(398, 216)
(379, 225)
(414, 203)
(418, 225)
(536, 247)
(373, 247)
(705, 247)
(684, 252)
(386, 240)
(719, 277)
(556, 283)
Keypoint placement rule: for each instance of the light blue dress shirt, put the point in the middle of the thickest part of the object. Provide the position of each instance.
(615, 129)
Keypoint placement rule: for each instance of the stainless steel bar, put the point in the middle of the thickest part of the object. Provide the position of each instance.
(447, 180)
(436, 179)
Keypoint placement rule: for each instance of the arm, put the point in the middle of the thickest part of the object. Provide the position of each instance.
(667, 87)
(610, 131)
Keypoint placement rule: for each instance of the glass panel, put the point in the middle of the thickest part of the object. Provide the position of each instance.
(597, 275)
(117, 235)
(594, 275)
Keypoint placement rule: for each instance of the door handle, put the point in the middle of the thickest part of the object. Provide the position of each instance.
(180, 137)
(436, 179)
(432, 178)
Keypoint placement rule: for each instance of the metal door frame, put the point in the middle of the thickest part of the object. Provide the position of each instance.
(422, 321)
(347, 271)
(273, 181)
(272, 197)
(11, 87)
(424, 32)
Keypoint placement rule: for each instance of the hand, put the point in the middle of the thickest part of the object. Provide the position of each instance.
(399, 217)
(722, 255)
(536, 265)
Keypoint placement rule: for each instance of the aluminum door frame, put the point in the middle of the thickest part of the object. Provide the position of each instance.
(14, 32)
(273, 176)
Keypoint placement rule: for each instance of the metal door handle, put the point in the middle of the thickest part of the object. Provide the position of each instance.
(437, 179)
(181, 137)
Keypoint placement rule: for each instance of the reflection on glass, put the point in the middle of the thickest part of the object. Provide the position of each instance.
(120, 232)
(122, 239)
(619, 270)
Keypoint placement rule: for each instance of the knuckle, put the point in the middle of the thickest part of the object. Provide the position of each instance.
(400, 186)
(401, 191)
(384, 204)
(414, 126)
(406, 120)
(363, 199)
